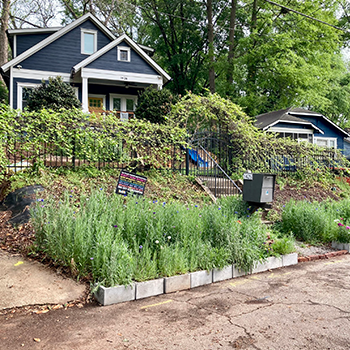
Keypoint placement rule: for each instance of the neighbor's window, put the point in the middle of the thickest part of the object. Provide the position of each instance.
(88, 41)
(124, 53)
(326, 142)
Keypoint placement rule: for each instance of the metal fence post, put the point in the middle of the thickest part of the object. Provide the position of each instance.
(187, 161)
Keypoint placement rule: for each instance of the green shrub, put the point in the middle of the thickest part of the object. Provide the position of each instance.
(3, 93)
(54, 95)
(154, 105)
(116, 239)
(317, 222)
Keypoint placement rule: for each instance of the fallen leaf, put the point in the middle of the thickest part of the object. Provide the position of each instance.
(19, 263)
(38, 340)
(42, 312)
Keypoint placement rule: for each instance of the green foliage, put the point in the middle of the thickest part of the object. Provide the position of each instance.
(154, 105)
(117, 239)
(71, 133)
(317, 222)
(3, 93)
(55, 95)
(252, 148)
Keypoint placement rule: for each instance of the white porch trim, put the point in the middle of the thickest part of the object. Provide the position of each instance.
(85, 95)
(121, 76)
(11, 87)
(38, 74)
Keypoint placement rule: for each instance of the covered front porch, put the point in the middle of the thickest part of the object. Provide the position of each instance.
(112, 92)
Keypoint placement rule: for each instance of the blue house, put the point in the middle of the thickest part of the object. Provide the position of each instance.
(106, 72)
(304, 126)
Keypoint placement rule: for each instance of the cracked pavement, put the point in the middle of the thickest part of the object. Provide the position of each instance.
(299, 307)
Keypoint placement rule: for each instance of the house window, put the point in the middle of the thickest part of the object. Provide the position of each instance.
(124, 53)
(329, 142)
(23, 93)
(124, 104)
(88, 41)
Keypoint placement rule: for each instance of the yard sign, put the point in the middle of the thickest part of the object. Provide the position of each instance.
(131, 183)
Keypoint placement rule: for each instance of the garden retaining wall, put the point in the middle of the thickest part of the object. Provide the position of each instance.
(140, 290)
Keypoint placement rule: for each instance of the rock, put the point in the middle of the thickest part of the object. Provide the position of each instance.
(19, 201)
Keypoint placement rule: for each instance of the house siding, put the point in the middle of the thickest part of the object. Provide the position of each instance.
(328, 129)
(65, 52)
(25, 42)
(109, 61)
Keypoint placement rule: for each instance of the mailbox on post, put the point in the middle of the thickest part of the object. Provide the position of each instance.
(258, 188)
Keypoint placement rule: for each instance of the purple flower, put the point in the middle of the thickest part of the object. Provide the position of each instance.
(42, 206)
(340, 224)
(219, 208)
(347, 227)
(91, 258)
(154, 212)
(101, 189)
(140, 246)
(196, 206)
(115, 225)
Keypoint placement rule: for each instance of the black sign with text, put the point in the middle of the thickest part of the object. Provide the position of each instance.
(131, 183)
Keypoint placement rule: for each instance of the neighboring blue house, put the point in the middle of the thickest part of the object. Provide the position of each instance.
(105, 71)
(304, 125)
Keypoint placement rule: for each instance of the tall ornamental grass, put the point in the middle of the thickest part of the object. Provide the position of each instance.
(315, 222)
(118, 239)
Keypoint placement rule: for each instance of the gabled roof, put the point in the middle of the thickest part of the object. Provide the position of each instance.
(293, 116)
(24, 31)
(24, 55)
(113, 44)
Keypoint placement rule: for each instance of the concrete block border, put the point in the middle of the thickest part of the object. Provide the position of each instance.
(139, 290)
(341, 246)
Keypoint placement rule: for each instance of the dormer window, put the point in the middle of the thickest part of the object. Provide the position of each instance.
(124, 53)
(88, 41)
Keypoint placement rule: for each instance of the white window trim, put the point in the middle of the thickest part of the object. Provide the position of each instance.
(124, 48)
(88, 31)
(328, 139)
(123, 99)
(98, 96)
(20, 87)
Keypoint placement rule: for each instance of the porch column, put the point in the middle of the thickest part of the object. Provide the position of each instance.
(85, 94)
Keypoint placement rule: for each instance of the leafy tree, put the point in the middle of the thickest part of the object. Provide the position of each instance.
(54, 95)
(155, 105)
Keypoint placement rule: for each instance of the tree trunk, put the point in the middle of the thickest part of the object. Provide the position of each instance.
(252, 63)
(211, 46)
(4, 21)
(231, 39)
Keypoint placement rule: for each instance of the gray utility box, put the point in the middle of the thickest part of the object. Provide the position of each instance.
(258, 188)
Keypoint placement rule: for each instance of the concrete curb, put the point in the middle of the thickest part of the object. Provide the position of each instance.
(140, 290)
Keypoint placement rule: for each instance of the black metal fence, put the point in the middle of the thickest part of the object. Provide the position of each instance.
(200, 157)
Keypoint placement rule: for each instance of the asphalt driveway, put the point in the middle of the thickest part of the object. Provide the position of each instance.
(306, 306)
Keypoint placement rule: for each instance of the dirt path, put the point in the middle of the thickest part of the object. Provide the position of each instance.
(300, 307)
